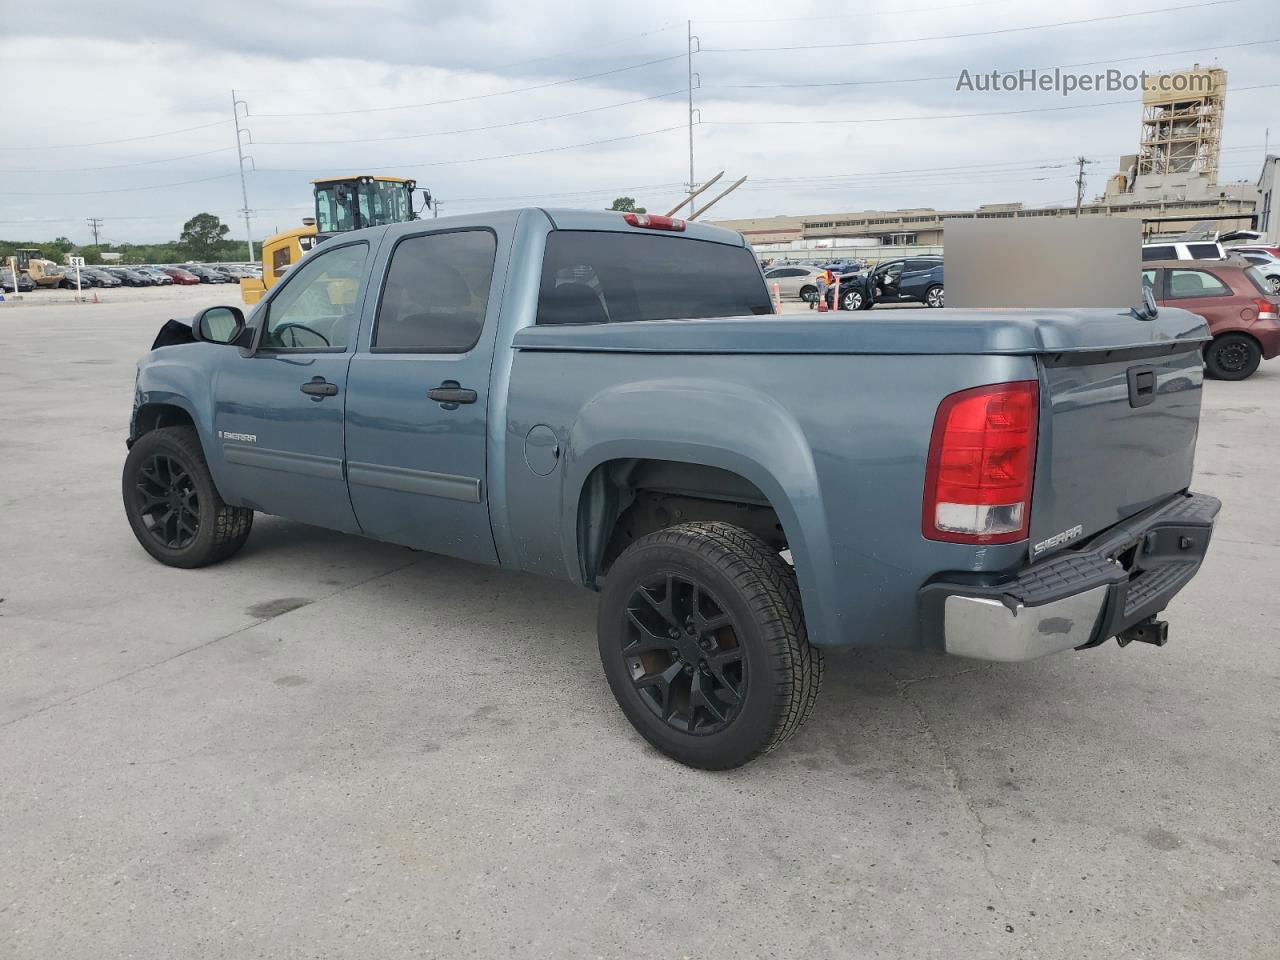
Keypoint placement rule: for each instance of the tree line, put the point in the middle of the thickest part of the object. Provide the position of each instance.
(203, 238)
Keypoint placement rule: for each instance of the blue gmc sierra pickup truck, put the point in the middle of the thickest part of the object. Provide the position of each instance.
(610, 399)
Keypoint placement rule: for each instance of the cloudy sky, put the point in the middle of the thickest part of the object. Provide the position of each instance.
(125, 110)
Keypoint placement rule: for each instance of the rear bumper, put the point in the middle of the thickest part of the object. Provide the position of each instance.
(1077, 598)
(1268, 335)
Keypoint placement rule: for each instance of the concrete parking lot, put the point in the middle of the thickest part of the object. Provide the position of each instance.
(329, 747)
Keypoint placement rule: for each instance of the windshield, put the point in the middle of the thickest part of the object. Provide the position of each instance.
(334, 212)
(382, 202)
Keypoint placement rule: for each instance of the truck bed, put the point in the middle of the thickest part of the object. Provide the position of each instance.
(830, 418)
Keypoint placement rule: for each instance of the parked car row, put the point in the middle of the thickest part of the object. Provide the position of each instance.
(1237, 291)
(7, 284)
(149, 276)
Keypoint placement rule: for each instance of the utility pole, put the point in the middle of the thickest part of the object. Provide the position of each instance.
(1080, 183)
(244, 190)
(690, 52)
(95, 224)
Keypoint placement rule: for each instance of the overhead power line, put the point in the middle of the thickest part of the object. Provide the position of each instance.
(491, 126)
(482, 96)
(103, 143)
(975, 33)
(86, 193)
(177, 215)
(1045, 163)
(894, 12)
(500, 156)
(120, 166)
(947, 116)
(952, 76)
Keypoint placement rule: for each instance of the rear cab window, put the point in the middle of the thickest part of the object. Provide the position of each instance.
(1167, 252)
(593, 276)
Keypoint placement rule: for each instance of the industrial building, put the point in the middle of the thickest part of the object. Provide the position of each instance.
(1170, 183)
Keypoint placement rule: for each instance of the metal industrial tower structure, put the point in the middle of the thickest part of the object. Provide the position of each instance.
(1182, 123)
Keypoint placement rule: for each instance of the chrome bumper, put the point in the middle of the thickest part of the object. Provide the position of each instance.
(1077, 598)
(986, 629)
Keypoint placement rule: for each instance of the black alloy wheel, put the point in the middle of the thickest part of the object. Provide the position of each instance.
(173, 505)
(167, 502)
(683, 655)
(703, 642)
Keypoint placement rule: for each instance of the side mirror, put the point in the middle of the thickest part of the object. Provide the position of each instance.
(218, 325)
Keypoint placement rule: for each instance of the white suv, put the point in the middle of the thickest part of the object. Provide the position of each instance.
(1180, 250)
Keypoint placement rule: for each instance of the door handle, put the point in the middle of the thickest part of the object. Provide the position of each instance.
(450, 392)
(318, 387)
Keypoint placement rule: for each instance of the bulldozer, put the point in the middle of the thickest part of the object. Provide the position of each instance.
(341, 204)
(45, 273)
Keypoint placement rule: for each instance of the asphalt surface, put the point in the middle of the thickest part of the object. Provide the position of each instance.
(329, 747)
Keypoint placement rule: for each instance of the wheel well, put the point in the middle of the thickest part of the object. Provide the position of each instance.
(624, 500)
(1239, 333)
(153, 416)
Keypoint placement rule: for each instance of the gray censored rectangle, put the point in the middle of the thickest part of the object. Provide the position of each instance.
(1089, 262)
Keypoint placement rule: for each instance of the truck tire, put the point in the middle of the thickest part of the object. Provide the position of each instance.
(172, 504)
(703, 642)
(809, 294)
(935, 296)
(1232, 356)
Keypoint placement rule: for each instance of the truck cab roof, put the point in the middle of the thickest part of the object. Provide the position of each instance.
(561, 219)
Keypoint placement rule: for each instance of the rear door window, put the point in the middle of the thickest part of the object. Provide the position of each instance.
(1187, 284)
(606, 277)
(436, 293)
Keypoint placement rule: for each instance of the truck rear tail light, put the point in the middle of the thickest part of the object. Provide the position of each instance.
(982, 455)
(653, 222)
(1267, 309)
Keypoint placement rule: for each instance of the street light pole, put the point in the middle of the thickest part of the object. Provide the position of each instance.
(244, 190)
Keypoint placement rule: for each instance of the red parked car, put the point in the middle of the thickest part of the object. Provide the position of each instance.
(180, 276)
(1236, 300)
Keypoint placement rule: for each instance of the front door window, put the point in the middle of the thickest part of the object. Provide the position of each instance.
(316, 309)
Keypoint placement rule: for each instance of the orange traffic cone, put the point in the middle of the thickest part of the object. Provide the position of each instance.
(822, 305)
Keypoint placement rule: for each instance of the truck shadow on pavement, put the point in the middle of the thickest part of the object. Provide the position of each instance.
(464, 616)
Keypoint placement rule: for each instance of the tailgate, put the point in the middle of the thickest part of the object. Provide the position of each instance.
(1118, 434)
